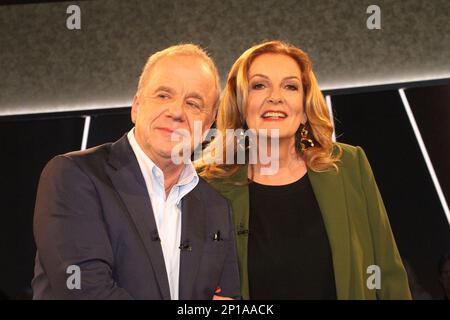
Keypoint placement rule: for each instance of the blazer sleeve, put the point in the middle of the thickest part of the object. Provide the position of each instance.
(394, 280)
(230, 281)
(69, 230)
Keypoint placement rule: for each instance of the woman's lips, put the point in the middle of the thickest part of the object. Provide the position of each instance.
(273, 119)
(274, 115)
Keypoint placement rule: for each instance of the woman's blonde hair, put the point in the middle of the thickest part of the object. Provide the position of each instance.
(233, 104)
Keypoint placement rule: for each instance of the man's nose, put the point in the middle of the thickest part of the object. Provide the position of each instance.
(176, 110)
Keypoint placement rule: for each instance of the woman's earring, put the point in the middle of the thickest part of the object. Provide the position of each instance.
(302, 140)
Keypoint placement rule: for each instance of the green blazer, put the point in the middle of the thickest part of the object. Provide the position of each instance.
(355, 220)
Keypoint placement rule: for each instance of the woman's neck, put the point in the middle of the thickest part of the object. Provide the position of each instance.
(291, 166)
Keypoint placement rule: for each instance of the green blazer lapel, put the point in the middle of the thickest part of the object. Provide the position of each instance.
(329, 191)
(238, 195)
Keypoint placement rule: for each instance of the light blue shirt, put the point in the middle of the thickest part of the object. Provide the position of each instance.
(167, 211)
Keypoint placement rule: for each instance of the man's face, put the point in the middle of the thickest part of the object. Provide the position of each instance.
(180, 90)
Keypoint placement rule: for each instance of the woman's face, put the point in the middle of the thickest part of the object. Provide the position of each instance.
(275, 95)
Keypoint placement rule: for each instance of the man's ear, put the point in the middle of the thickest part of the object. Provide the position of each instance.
(134, 108)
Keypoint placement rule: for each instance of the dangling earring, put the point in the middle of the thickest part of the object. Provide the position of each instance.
(246, 139)
(302, 141)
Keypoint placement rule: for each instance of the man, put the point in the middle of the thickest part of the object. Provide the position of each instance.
(123, 220)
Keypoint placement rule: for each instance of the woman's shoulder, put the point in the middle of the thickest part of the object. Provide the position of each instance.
(230, 183)
(353, 161)
(347, 149)
(349, 154)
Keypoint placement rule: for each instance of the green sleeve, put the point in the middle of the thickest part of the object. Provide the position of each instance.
(394, 280)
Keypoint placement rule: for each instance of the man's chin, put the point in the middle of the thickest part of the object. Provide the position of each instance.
(166, 154)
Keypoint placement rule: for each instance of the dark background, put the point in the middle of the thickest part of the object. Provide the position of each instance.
(51, 79)
(44, 67)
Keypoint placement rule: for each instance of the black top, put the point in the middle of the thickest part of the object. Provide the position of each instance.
(289, 255)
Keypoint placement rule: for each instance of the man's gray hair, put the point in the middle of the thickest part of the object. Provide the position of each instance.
(187, 49)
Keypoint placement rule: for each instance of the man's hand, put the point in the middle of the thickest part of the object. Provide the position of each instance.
(217, 297)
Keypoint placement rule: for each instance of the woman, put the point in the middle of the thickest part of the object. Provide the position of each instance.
(316, 228)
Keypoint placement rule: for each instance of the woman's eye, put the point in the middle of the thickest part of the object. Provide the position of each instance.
(258, 86)
(292, 87)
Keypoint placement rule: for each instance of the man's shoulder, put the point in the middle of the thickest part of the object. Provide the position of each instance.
(88, 161)
(94, 154)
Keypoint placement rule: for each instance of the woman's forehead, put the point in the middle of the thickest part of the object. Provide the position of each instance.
(274, 63)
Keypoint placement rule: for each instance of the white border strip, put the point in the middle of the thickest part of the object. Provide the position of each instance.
(330, 109)
(430, 167)
(87, 124)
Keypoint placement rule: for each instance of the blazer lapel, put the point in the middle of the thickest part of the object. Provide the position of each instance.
(238, 195)
(129, 183)
(192, 237)
(329, 191)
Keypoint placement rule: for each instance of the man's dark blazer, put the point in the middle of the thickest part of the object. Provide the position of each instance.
(93, 210)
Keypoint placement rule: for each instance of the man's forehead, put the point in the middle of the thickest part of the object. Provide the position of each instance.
(179, 62)
(171, 83)
(173, 74)
(174, 90)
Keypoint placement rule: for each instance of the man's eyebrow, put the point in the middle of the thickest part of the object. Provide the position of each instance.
(165, 88)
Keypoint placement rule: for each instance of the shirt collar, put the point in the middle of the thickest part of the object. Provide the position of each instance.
(187, 180)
